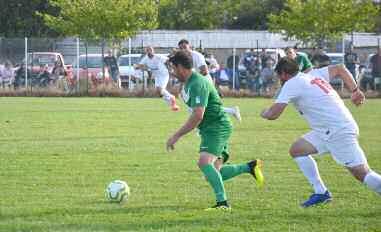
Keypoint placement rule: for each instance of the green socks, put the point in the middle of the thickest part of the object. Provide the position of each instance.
(230, 171)
(214, 178)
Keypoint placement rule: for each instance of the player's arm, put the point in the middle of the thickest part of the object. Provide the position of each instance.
(193, 121)
(343, 73)
(274, 111)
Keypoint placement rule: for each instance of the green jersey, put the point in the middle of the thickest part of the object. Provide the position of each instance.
(198, 91)
(303, 61)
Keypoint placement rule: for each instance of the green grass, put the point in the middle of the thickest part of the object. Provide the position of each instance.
(58, 154)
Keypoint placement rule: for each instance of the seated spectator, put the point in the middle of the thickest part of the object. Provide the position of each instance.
(43, 77)
(213, 65)
(7, 75)
(20, 76)
(266, 77)
(222, 76)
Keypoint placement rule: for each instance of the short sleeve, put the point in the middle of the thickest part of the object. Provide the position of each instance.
(199, 60)
(143, 60)
(198, 96)
(322, 73)
(289, 92)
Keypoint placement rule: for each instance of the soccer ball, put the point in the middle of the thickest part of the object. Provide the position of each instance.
(117, 191)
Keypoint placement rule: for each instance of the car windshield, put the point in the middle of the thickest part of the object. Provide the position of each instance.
(92, 62)
(124, 61)
(41, 59)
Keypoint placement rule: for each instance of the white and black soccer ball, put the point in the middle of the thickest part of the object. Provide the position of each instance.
(117, 191)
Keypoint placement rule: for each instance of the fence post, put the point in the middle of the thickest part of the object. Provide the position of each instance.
(77, 65)
(26, 63)
(234, 52)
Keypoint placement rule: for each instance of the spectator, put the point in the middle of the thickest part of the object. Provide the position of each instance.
(112, 65)
(58, 71)
(375, 66)
(232, 66)
(351, 61)
(222, 76)
(318, 55)
(213, 65)
(304, 63)
(267, 75)
(20, 76)
(43, 77)
(7, 75)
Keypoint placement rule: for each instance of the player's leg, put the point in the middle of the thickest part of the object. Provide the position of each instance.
(233, 111)
(301, 151)
(346, 151)
(213, 176)
(161, 84)
(210, 150)
(229, 171)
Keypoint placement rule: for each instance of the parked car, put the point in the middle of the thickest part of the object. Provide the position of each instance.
(49, 59)
(92, 68)
(126, 69)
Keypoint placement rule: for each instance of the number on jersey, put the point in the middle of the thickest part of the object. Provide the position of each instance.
(322, 84)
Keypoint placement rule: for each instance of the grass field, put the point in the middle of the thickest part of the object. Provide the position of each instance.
(58, 154)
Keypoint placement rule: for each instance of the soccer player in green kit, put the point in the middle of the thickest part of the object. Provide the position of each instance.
(214, 126)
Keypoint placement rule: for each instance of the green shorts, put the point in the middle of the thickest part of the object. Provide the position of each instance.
(216, 142)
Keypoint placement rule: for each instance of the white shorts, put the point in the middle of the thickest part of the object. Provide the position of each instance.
(161, 81)
(344, 147)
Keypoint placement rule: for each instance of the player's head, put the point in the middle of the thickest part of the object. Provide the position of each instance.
(184, 44)
(181, 63)
(286, 68)
(290, 52)
(322, 60)
(150, 51)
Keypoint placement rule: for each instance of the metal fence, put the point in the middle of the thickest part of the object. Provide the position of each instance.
(75, 66)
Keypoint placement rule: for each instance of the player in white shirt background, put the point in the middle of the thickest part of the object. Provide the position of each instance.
(157, 65)
(200, 66)
(333, 128)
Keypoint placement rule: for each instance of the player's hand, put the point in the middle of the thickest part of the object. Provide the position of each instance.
(171, 143)
(358, 98)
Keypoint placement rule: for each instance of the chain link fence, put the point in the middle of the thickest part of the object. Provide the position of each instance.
(240, 62)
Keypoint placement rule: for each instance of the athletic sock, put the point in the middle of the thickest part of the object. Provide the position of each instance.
(229, 110)
(214, 178)
(310, 170)
(230, 171)
(166, 96)
(373, 181)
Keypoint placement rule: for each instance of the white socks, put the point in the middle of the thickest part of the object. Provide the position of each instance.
(166, 96)
(310, 170)
(229, 110)
(373, 181)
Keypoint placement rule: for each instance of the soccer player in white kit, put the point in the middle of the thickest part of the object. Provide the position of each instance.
(333, 128)
(157, 65)
(200, 66)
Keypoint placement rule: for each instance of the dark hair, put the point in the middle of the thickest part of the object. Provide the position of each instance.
(183, 41)
(183, 58)
(287, 65)
(323, 60)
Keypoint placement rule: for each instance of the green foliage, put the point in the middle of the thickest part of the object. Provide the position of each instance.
(102, 19)
(252, 14)
(18, 18)
(319, 20)
(196, 14)
(58, 154)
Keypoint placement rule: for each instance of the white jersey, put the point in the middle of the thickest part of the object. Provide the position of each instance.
(157, 65)
(318, 102)
(198, 60)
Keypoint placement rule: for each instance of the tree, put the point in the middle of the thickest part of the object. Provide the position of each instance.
(18, 18)
(317, 21)
(196, 14)
(252, 14)
(102, 19)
